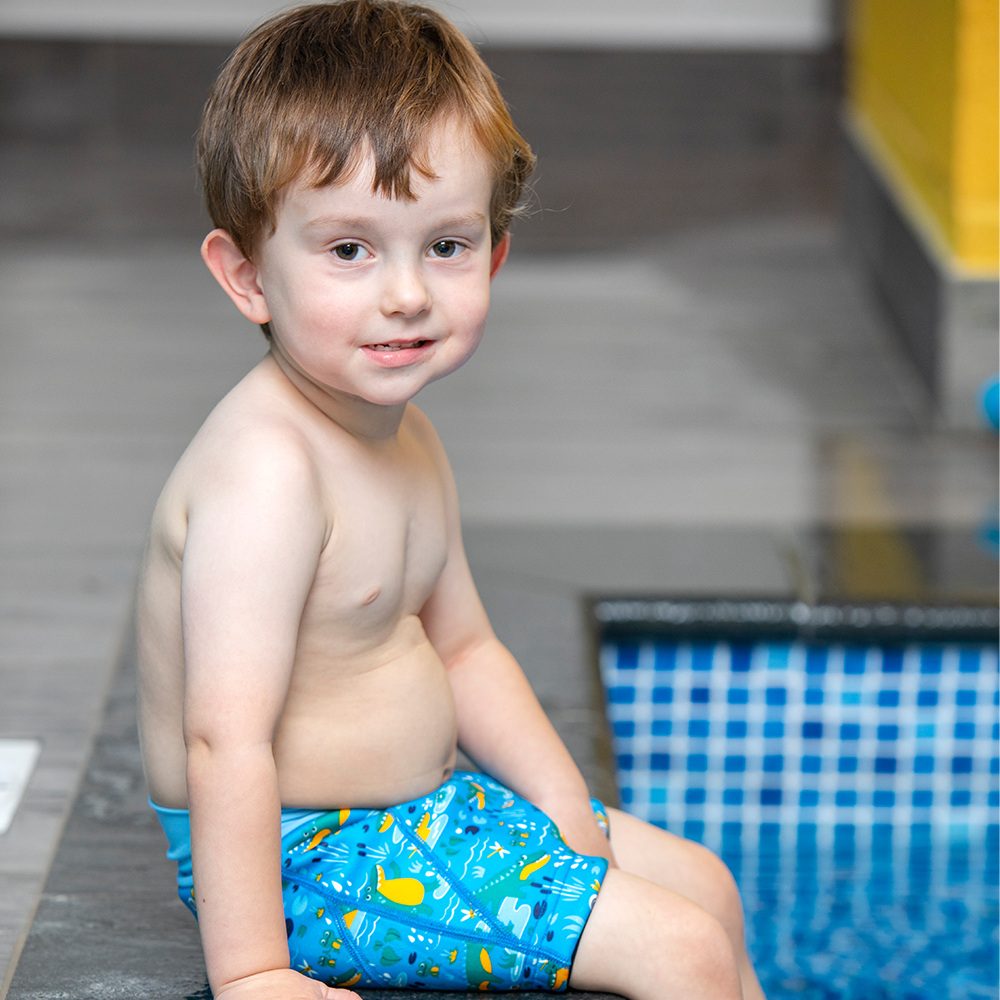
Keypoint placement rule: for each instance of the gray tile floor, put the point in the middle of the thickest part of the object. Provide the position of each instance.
(675, 418)
(96, 403)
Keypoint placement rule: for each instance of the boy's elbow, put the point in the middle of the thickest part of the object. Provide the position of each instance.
(200, 740)
(206, 749)
(474, 651)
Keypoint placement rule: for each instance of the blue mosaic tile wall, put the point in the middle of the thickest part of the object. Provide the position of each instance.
(851, 789)
(706, 733)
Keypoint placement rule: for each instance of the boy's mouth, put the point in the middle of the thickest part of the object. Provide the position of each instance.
(399, 345)
(397, 353)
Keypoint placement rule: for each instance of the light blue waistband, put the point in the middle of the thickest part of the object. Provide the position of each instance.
(176, 825)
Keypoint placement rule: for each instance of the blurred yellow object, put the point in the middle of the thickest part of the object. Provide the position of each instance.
(923, 85)
(871, 558)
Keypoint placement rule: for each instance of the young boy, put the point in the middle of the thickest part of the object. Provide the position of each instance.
(312, 647)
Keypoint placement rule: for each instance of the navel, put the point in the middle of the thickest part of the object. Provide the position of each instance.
(371, 596)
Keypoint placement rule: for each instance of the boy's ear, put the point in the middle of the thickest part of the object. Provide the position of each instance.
(236, 274)
(499, 255)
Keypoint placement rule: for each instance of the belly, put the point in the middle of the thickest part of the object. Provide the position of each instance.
(375, 737)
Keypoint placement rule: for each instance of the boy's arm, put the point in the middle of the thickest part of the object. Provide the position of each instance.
(502, 727)
(253, 540)
(501, 724)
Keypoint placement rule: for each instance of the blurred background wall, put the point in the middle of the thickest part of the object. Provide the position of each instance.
(650, 115)
(650, 23)
(922, 183)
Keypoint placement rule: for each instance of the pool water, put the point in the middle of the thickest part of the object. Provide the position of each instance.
(852, 790)
(846, 912)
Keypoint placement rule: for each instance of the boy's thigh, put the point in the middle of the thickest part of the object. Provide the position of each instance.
(680, 865)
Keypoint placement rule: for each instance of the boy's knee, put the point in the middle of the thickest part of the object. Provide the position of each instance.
(703, 955)
(643, 930)
(708, 939)
(720, 877)
(718, 892)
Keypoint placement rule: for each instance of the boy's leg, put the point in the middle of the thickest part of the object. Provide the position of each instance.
(689, 870)
(647, 942)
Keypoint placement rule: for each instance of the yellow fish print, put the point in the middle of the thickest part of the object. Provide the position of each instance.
(530, 870)
(405, 891)
(319, 836)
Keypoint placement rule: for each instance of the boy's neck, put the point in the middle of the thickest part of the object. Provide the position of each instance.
(359, 417)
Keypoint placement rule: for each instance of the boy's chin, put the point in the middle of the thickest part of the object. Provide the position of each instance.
(395, 392)
(387, 393)
(394, 395)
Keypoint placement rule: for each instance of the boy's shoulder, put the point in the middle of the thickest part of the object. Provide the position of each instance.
(418, 425)
(263, 440)
(256, 422)
(254, 446)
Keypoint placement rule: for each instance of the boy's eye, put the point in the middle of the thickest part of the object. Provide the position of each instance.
(350, 251)
(445, 248)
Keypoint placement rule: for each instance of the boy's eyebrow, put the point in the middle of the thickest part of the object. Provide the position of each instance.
(470, 219)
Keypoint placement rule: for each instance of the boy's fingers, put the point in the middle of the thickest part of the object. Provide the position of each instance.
(282, 984)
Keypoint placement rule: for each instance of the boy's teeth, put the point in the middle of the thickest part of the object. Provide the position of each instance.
(397, 346)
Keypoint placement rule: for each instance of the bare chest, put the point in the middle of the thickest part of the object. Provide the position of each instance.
(386, 550)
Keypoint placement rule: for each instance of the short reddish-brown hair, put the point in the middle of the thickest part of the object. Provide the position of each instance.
(309, 88)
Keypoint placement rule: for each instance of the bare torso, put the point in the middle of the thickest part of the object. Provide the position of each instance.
(369, 718)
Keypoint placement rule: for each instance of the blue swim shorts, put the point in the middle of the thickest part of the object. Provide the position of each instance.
(469, 887)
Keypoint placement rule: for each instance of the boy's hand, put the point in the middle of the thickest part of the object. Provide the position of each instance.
(281, 984)
(579, 828)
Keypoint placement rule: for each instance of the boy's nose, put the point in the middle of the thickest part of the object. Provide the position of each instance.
(405, 292)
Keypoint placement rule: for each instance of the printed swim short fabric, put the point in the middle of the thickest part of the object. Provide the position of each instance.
(471, 887)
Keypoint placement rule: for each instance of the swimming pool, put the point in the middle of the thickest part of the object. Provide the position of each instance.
(851, 787)
(846, 912)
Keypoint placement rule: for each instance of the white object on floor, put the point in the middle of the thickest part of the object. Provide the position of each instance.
(17, 761)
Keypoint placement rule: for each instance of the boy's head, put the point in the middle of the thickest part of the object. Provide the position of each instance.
(312, 91)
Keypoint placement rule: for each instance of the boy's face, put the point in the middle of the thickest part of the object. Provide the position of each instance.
(375, 297)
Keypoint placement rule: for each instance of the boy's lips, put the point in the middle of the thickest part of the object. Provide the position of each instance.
(396, 353)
